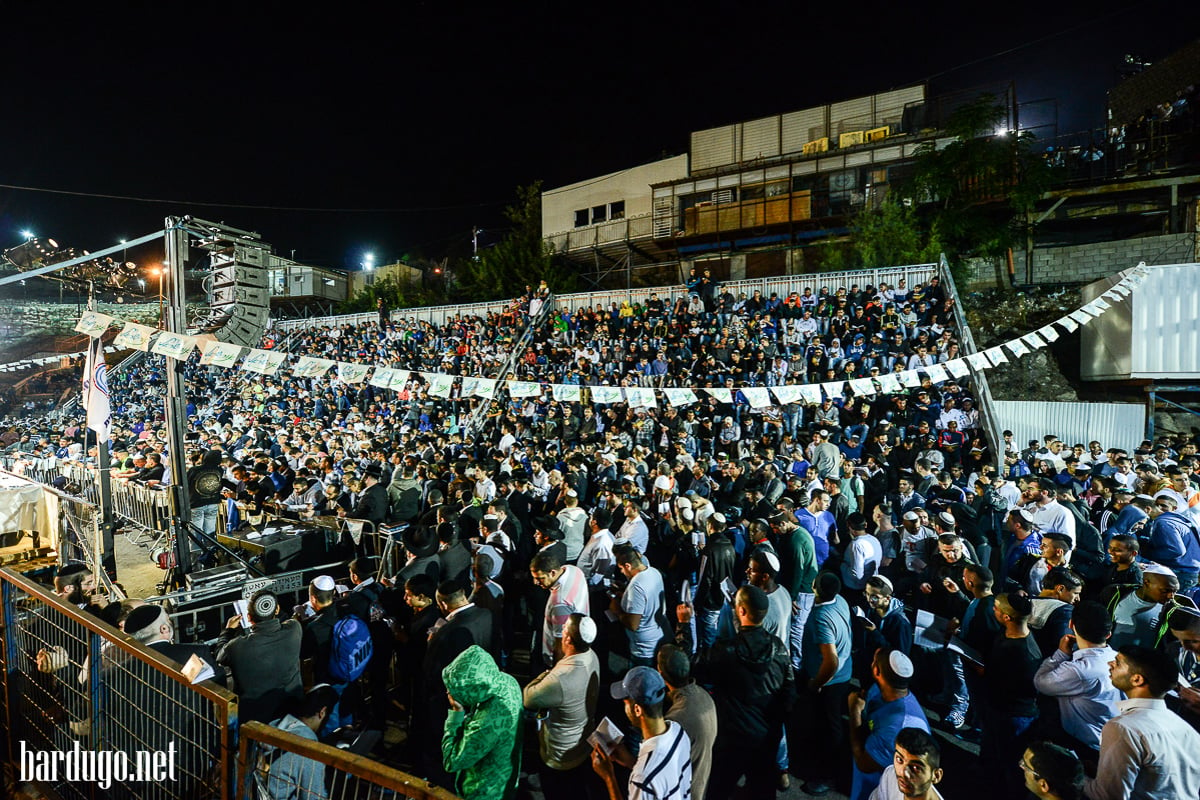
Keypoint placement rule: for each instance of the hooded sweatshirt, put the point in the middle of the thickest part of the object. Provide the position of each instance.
(754, 686)
(482, 742)
(1174, 542)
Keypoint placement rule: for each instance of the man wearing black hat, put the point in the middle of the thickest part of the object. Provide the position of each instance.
(372, 502)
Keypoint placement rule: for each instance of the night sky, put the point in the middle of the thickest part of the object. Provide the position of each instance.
(405, 124)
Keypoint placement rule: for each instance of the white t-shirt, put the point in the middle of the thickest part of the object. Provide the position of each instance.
(888, 790)
(664, 767)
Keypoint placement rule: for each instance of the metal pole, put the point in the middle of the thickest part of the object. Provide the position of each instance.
(176, 408)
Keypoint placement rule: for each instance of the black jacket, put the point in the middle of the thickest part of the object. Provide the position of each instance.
(266, 667)
(753, 686)
(720, 562)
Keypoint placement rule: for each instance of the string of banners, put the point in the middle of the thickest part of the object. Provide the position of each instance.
(268, 362)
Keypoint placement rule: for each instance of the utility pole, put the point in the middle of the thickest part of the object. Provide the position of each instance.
(175, 315)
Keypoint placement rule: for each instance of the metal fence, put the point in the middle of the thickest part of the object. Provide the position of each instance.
(277, 764)
(70, 681)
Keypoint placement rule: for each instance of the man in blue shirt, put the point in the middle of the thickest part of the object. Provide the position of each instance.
(877, 715)
(816, 519)
(825, 664)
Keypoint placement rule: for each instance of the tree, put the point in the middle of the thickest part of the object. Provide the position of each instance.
(890, 235)
(396, 293)
(977, 191)
(521, 257)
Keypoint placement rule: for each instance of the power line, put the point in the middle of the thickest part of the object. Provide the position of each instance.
(100, 196)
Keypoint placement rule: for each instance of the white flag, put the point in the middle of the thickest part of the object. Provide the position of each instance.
(352, 373)
(1034, 341)
(93, 323)
(95, 392)
(219, 354)
(264, 362)
(1017, 348)
(606, 394)
(996, 356)
(566, 392)
(310, 367)
(722, 395)
(788, 394)
(175, 345)
(909, 378)
(834, 390)
(862, 386)
(811, 393)
(440, 384)
(889, 383)
(958, 368)
(640, 396)
(1048, 333)
(1068, 324)
(381, 377)
(680, 397)
(518, 389)
(135, 336)
(978, 361)
(757, 396)
(937, 373)
(485, 388)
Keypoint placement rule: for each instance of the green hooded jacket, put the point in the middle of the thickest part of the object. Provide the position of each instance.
(482, 743)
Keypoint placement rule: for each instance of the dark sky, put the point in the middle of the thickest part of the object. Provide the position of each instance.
(431, 113)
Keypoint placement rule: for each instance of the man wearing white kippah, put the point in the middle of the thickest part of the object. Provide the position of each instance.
(877, 715)
(565, 698)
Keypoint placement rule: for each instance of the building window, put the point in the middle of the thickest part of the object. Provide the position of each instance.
(599, 214)
(581, 218)
(616, 210)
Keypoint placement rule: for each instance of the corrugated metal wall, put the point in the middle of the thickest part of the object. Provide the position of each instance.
(1166, 324)
(1111, 424)
(715, 147)
(760, 138)
(802, 127)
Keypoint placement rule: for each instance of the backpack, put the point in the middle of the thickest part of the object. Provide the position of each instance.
(350, 649)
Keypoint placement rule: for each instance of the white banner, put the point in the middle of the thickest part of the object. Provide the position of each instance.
(134, 336)
(834, 389)
(862, 386)
(996, 356)
(1034, 341)
(468, 386)
(909, 378)
(95, 393)
(1017, 348)
(1068, 324)
(1121, 289)
(722, 395)
(440, 384)
(640, 396)
(958, 368)
(757, 396)
(486, 388)
(93, 323)
(219, 354)
(517, 389)
(937, 373)
(1049, 333)
(889, 383)
(264, 362)
(175, 345)
(352, 373)
(566, 393)
(310, 367)
(1081, 316)
(606, 394)
(786, 394)
(811, 394)
(382, 377)
(680, 397)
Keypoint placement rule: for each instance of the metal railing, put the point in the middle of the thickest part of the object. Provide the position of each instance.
(274, 764)
(70, 681)
(983, 393)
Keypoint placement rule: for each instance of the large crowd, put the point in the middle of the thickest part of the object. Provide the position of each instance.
(705, 596)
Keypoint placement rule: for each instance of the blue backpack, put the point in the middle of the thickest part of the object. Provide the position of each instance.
(350, 649)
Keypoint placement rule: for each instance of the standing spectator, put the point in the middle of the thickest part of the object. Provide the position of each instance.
(826, 667)
(568, 588)
(1146, 752)
(693, 708)
(1174, 541)
(567, 694)
(863, 556)
(663, 769)
(915, 769)
(1052, 772)
(639, 609)
(481, 744)
(878, 715)
(1011, 706)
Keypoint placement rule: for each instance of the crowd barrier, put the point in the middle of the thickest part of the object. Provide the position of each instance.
(346, 776)
(782, 285)
(69, 681)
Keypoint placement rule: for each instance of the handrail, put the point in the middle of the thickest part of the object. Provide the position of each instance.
(982, 393)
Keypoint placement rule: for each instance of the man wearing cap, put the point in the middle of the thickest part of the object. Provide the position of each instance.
(1022, 540)
(754, 689)
(565, 698)
(1137, 613)
(1174, 540)
(663, 769)
(878, 715)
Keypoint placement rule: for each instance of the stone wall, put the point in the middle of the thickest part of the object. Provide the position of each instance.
(1084, 263)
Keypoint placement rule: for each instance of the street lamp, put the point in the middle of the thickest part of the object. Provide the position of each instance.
(26, 234)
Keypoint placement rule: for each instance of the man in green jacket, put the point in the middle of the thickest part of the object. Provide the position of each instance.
(481, 741)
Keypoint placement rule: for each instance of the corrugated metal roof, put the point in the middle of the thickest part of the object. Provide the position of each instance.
(1112, 424)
